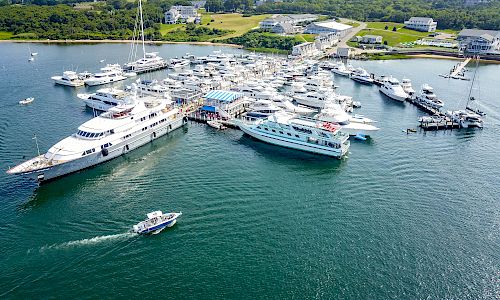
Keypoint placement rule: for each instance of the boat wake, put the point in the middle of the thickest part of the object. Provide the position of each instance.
(89, 242)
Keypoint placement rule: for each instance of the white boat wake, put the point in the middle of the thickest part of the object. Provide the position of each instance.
(89, 242)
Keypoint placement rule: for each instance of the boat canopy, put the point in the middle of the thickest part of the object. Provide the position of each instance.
(154, 214)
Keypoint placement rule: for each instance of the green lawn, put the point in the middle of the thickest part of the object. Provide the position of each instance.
(352, 23)
(164, 28)
(306, 37)
(235, 22)
(4, 35)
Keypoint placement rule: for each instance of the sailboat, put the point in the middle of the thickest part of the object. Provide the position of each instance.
(150, 61)
(469, 117)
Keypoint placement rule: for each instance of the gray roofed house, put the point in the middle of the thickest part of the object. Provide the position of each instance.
(479, 41)
(284, 28)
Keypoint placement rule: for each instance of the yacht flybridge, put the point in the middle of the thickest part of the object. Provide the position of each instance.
(150, 61)
(120, 130)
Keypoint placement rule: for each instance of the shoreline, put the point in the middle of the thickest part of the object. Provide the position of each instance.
(437, 56)
(118, 42)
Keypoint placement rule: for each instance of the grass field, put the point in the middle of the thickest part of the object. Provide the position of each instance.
(4, 35)
(164, 28)
(306, 37)
(235, 22)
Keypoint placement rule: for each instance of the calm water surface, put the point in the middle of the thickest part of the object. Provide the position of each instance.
(404, 216)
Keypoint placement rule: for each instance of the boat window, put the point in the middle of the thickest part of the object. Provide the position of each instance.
(289, 134)
(266, 129)
(281, 132)
(297, 136)
(273, 130)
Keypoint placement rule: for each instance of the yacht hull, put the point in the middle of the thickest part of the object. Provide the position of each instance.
(67, 83)
(393, 96)
(104, 81)
(118, 149)
(362, 80)
(296, 145)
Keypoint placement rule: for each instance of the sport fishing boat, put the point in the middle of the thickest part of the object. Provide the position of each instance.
(392, 89)
(68, 78)
(428, 97)
(336, 115)
(108, 74)
(118, 131)
(155, 222)
(362, 76)
(26, 101)
(407, 87)
(305, 134)
(104, 99)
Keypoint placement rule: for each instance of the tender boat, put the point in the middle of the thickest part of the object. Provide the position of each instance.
(305, 134)
(392, 89)
(27, 101)
(216, 124)
(69, 78)
(155, 222)
(341, 69)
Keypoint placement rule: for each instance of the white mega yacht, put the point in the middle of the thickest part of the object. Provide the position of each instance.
(104, 99)
(68, 78)
(392, 89)
(305, 134)
(120, 130)
(152, 87)
(108, 74)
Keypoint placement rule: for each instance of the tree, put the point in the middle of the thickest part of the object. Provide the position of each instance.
(386, 27)
(394, 28)
(214, 5)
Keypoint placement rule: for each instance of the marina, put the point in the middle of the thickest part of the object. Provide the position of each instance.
(241, 198)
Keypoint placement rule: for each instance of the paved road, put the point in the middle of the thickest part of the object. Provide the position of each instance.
(354, 31)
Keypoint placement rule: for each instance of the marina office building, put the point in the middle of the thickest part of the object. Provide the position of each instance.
(478, 41)
(227, 103)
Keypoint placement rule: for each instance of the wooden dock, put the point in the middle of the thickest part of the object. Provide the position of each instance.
(460, 67)
(445, 123)
(196, 117)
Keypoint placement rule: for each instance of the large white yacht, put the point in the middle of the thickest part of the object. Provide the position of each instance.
(348, 124)
(392, 89)
(69, 78)
(120, 130)
(104, 99)
(150, 62)
(152, 87)
(288, 130)
(108, 74)
(362, 76)
(263, 108)
(314, 99)
(428, 97)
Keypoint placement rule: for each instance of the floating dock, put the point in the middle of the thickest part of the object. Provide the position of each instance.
(445, 123)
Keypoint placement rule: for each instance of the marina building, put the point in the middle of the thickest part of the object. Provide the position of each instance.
(371, 39)
(183, 13)
(421, 24)
(293, 20)
(324, 41)
(477, 41)
(330, 26)
(227, 104)
(284, 28)
(305, 49)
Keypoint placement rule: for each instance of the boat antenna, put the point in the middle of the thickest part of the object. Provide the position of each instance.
(142, 29)
(473, 79)
(36, 142)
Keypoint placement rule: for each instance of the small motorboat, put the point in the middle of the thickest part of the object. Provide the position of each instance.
(34, 53)
(155, 222)
(216, 124)
(360, 137)
(129, 74)
(27, 101)
(31, 59)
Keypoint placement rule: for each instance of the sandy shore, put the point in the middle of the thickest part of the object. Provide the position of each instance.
(116, 42)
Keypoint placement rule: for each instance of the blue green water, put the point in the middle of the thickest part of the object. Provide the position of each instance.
(404, 216)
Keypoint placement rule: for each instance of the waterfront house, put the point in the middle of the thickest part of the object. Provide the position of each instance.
(183, 13)
(304, 49)
(294, 20)
(227, 104)
(329, 26)
(477, 41)
(421, 24)
(326, 40)
(371, 39)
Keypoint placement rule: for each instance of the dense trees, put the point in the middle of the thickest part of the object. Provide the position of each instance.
(448, 13)
(258, 39)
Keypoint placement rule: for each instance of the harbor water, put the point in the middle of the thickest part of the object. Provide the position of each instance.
(405, 216)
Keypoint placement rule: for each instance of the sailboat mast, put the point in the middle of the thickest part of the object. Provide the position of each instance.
(472, 82)
(142, 29)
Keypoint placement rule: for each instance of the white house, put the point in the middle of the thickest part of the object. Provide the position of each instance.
(421, 24)
(269, 23)
(181, 12)
(330, 26)
(324, 41)
(371, 39)
(304, 49)
(284, 28)
(478, 41)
